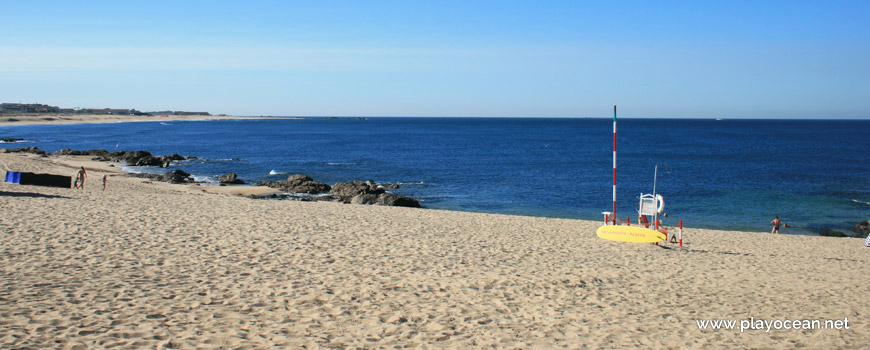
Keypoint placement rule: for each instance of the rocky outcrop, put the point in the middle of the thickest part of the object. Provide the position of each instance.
(230, 179)
(297, 184)
(34, 150)
(368, 199)
(394, 200)
(862, 229)
(72, 152)
(370, 193)
(353, 192)
(132, 158)
(178, 177)
(10, 140)
(137, 158)
(354, 188)
(175, 177)
(388, 199)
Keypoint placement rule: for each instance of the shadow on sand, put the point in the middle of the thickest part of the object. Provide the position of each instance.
(28, 194)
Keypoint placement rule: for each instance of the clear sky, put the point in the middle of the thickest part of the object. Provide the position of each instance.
(684, 59)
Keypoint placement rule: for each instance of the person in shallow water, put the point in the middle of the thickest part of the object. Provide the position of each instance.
(776, 224)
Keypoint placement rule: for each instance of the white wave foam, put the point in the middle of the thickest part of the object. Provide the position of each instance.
(342, 163)
(273, 172)
(860, 202)
(210, 179)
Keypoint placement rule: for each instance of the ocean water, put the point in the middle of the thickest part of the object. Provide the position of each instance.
(722, 174)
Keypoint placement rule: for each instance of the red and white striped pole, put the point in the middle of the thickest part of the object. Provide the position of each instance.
(681, 233)
(614, 164)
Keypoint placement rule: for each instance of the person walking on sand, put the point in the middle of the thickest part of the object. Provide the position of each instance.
(776, 224)
(104, 182)
(82, 175)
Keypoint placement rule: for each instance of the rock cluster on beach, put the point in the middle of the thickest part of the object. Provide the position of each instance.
(34, 150)
(297, 184)
(174, 177)
(352, 192)
(230, 179)
(132, 158)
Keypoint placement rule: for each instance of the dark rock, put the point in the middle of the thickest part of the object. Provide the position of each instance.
(297, 179)
(862, 229)
(68, 152)
(388, 199)
(831, 233)
(177, 177)
(148, 161)
(354, 188)
(389, 185)
(155, 177)
(135, 158)
(394, 200)
(352, 192)
(364, 199)
(174, 156)
(99, 154)
(129, 157)
(34, 150)
(298, 184)
(230, 178)
(10, 140)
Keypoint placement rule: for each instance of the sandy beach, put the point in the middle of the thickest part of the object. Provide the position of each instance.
(35, 119)
(154, 265)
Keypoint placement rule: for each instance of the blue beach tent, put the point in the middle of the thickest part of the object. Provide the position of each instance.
(47, 180)
(13, 177)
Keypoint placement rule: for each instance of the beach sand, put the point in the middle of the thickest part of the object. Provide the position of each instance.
(35, 119)
(154, 265)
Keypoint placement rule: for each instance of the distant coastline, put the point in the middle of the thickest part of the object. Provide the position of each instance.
(46, 119)
(37, 113)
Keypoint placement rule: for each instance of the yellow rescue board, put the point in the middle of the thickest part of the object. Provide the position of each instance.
(635, 234)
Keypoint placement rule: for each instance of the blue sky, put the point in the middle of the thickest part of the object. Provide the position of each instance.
(683, 59)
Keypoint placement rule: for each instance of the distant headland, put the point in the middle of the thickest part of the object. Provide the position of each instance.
(35, 113)
(42, 109)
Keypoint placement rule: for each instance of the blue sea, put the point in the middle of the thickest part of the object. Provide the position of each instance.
(720, 174)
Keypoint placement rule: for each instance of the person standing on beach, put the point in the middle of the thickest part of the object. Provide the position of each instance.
(104, 182)
(776, 223)
(82, 175)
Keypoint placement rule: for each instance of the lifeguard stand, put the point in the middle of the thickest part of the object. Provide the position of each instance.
(650, 205)
(653, 205)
